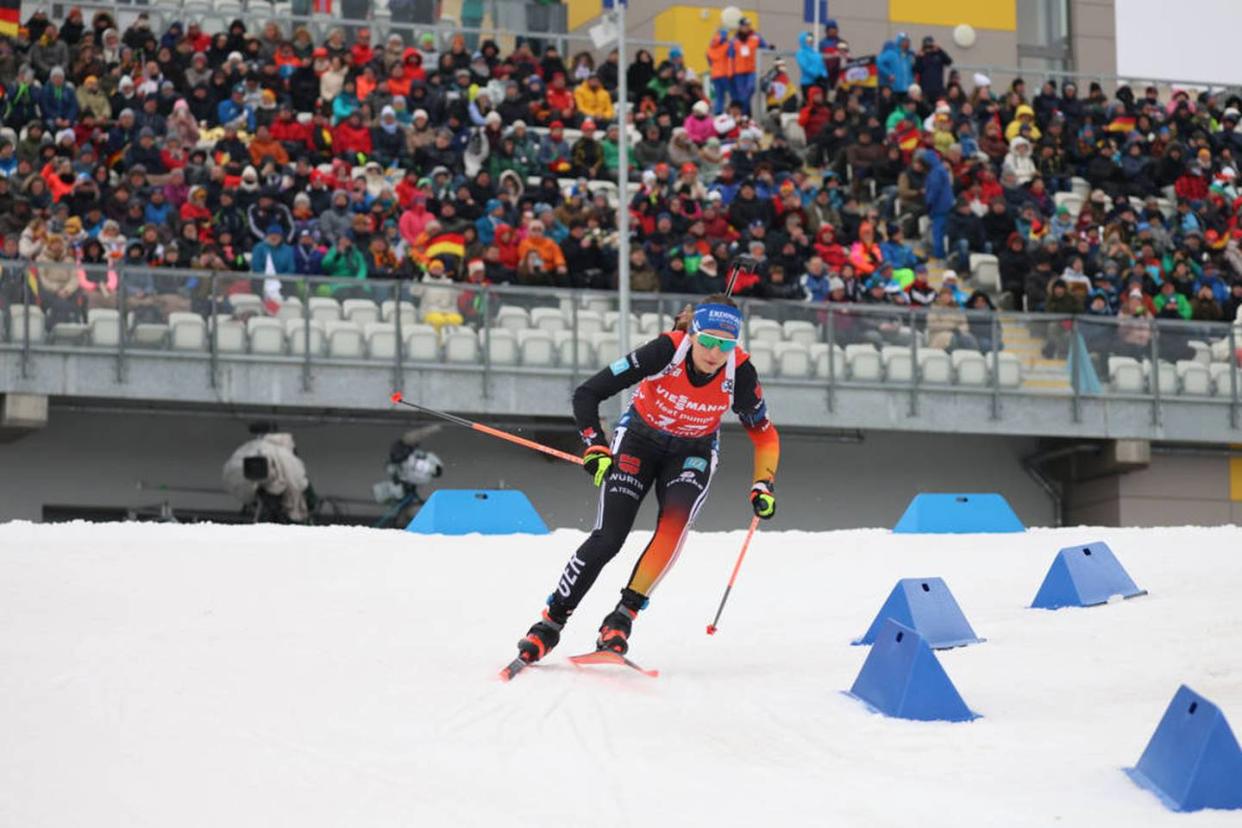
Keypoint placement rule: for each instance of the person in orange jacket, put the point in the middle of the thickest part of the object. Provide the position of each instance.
(746, 44)
(720, 62)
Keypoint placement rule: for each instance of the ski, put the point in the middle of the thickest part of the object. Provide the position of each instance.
(609, 657)
(513, 668)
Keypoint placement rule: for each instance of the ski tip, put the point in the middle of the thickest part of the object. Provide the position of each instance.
(395, 397)
(711, 629)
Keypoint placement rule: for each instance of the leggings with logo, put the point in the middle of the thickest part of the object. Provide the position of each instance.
(679, 470)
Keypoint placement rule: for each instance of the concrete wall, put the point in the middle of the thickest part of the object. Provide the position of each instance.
(94, 458)
(1177, 488)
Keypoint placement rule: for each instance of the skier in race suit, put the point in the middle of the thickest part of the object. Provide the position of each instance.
(667, 441)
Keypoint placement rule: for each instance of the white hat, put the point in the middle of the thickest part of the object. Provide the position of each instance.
(700, 108)
(982, 79)
(708, 264)
(949, 274)
(836, 283)
(724, 123)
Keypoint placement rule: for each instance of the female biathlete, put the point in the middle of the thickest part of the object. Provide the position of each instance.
(667, 440)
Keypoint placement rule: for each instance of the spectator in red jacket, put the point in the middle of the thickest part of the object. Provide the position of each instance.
(351, 137)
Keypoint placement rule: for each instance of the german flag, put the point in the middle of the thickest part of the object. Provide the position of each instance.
(10, 17)
(861, 72)
(446, 244)
(1122, 123)
(908, 136)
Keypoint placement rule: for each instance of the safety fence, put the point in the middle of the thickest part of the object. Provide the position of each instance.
(402, 326)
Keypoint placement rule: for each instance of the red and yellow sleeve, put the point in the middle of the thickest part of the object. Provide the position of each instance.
(767, 448)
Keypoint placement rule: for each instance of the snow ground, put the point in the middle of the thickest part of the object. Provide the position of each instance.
(211, 676)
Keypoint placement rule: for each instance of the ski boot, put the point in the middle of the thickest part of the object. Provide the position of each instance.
(614, 633)
(542, 637)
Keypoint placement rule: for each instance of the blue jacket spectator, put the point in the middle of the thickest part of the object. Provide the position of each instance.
(233, 108)
(272, 249)
(810, 61)
(895, 65)
(57, 100)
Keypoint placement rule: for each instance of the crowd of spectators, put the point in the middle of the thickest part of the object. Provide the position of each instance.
(265, 153)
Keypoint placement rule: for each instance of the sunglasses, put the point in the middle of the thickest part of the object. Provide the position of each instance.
(709, 342)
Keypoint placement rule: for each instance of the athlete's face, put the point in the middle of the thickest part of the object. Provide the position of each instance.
(708, 360)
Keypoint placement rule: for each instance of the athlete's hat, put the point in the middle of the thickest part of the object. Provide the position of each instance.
(724, 318)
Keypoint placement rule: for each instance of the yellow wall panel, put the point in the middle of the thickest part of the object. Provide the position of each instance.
(982, 14)
(1235, 478)
(692, 27)
(581, 12)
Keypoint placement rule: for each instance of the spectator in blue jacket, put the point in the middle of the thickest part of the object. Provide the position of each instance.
(810, 62)
(1211, 279)
(938, 195)
(58, 103)
(234, 108)
(272, 255)
(307, 255)
(895, 65)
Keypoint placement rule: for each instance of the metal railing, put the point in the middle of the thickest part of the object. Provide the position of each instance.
(312, 321)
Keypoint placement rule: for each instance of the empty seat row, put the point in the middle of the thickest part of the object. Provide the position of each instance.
(1186, 377)
(896, 364)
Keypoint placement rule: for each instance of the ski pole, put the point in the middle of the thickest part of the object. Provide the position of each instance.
(754, 524)
(398, 399)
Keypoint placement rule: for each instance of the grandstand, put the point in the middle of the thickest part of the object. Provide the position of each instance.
(283, 211)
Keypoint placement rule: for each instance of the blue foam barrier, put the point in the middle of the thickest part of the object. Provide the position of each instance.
(927, 606)
(485, 511)
(1192, 761)
(903, 678)
(1084, 576)
(958, 513)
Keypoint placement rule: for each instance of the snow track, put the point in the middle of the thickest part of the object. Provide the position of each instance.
(208, 676)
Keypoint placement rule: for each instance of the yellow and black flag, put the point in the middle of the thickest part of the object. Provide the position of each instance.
(10, 17)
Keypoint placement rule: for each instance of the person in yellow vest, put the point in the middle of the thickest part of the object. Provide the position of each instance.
(720, 64)
(593, 100)
(746, 44)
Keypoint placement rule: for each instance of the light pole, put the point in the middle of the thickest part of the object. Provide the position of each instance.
(623, 207)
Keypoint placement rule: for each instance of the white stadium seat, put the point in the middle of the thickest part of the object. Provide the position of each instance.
(763, 330)
(589, 322)
(651, 325)
(381, 338)
(68, 333)
(421, 343)
(1126, 375)
(864, 362)
(763, 357)
(793, 359)
(985, 272)
(324, 309)
(149, 335)
(1222, 385)
(935, 368)
(1195, 378)
(360, 311)
(230, 336)
(548, 319)
(537, 347)
(188, 332)
(970, 367)
(797, 330)
(267, 336)
(105, 325)
(17, 327)
(607, 348)
(819, 355)
(291, 307)
(898, 363)
(564, 341)
(501, 344)
(513, 318)
(409, 313)
(1008, 368)
(245, 303)
(296, 330)
(461, 346)
(1167, 376)
(345, 339)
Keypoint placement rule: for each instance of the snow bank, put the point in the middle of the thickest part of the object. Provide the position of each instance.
(203, 675)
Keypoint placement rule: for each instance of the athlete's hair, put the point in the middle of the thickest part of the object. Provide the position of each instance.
(686, 316)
